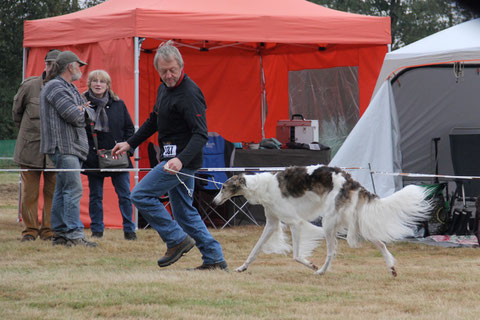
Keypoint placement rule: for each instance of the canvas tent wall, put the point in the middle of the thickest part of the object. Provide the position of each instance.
(238, 52)
(424, 90)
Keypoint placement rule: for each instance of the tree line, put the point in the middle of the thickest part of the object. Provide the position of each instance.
(411, 20)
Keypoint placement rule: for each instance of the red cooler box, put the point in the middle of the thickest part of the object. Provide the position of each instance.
(297, 130)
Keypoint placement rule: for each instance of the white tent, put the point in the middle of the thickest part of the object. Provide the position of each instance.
(424, 90)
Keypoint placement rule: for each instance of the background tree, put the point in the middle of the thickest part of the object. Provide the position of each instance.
(12, 15)
(411, 20)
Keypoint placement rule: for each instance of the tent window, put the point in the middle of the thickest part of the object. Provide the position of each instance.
(329, 95)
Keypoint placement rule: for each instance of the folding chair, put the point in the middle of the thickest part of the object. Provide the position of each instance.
(217, 153)
(465, 153)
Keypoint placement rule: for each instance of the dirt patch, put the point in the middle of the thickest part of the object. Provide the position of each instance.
(8, 194)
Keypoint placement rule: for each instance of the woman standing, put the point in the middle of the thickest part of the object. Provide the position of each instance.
(112, 124)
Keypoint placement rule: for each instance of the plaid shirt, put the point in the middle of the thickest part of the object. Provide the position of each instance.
(62, 123)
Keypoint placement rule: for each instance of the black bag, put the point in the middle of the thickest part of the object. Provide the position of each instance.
(105, 159)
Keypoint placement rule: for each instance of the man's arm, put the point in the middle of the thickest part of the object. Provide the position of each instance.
(65, 104)
(18, 107)
(148, 128)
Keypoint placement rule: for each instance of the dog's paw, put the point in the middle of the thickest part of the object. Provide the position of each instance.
(241, 269)
(393, 271)
(321, 271)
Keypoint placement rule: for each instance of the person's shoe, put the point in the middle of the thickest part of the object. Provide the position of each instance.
(173, 254)
(97, 234)
(27, 237)
(81, 242)
(213, 266)
(130, 235)
(58, 240)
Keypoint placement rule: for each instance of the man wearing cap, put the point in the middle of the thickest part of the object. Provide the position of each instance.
(26, 115)
(64, 139)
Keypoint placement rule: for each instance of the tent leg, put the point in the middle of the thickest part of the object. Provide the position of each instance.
(263, 97)
(136, 46)
(371, 177)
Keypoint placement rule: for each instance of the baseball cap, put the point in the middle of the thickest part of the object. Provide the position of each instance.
(52, 55)
(66, 57)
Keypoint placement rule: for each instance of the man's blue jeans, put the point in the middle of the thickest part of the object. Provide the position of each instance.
(121, 183)
(66, 199)
(145, 196)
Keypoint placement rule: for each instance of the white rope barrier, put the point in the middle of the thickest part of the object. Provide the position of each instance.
(252, 169)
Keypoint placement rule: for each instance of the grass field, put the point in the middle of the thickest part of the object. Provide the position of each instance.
(120, 279)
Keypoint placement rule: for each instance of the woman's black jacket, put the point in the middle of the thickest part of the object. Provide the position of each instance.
(120, 129)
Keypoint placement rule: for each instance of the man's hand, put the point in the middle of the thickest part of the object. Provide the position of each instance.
(120, 148)
(85, 105)
(173, 165)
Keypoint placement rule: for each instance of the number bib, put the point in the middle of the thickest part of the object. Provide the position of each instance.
(169, 151)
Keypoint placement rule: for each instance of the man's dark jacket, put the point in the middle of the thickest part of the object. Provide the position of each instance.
(179, 118)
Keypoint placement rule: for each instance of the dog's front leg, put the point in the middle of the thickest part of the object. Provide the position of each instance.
(271, 224)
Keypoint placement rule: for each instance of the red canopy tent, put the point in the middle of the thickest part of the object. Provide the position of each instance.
(239, 52)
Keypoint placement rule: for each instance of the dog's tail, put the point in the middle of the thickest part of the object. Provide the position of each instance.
(393, 217)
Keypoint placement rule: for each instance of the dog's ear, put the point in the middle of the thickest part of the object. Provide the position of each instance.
(235, 184)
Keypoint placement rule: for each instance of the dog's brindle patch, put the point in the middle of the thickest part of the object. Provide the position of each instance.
(350, 186)
(295, 181)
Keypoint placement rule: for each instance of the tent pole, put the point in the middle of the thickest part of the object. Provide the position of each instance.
(137, 86)
(263, 96)
(24, 65)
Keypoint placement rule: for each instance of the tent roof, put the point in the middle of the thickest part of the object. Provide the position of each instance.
(458, 43)
(286, 21)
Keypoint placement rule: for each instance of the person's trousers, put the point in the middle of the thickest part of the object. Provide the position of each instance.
(29, 202)
(66, 199)
(146, 197)
(121, 183)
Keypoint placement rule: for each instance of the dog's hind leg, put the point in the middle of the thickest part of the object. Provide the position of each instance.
(271, 225)
(305, 237)
(332, 243)
(389, 259)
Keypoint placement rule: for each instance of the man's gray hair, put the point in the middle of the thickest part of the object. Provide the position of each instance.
(63, 68)
(167, 51)
(56, 71)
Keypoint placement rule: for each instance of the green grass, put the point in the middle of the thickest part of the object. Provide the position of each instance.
(120, 280)
(9, 177)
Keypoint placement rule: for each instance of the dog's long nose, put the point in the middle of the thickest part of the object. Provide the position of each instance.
(218, 200)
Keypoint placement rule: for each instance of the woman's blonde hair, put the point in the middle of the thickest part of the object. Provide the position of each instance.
(102, 75)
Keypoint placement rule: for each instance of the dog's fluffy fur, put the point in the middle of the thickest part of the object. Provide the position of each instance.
(299, 195)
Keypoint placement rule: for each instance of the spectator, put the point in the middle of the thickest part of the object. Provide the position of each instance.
(179, 118)
(63, 138)
(112, 124)
(26, 115)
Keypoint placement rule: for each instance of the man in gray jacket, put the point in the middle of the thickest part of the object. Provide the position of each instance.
(26, 115)
(62, 127)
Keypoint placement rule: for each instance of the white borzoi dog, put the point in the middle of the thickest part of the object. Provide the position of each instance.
(299, 195)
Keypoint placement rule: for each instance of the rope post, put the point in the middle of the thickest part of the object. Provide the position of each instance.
(371, 177)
